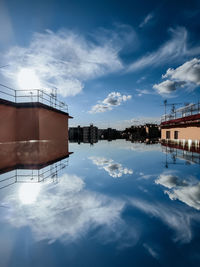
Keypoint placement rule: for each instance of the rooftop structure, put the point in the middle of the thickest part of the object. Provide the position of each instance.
(182, 124)
(32, 115)
(186, 111)
(43, 96)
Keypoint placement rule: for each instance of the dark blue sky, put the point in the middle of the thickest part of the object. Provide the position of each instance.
(108, 59)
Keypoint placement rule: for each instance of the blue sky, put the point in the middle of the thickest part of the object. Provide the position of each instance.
(112, 62)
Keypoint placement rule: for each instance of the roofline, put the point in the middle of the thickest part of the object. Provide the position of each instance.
(32, 105)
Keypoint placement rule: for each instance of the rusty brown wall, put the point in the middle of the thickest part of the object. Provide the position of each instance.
(7, 123)
(32, 123)
(31, 154)
(52, 125)
(186, 133)
(27, 124)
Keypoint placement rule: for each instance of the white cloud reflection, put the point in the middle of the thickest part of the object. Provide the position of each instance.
(65, 211)
(186, 190)
(178, 218)
(114, 169)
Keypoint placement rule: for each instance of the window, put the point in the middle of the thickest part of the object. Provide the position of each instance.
(175, 134)
(167, 134)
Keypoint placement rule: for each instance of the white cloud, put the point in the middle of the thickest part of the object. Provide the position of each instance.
(173, 50)
(6, 27)
(146, 20)
(122, 124)
(168, 87)
(65, 59)
(151, 251)
(142, 120)
(113, 99)
(188, 72)
(142, 92)
(114, 169)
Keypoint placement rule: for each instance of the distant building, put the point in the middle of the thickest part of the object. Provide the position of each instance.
(141, 132)
(182, 126)
(76, 133)
(152, 130)
(87, 134)
(90, 134)
(109, 134)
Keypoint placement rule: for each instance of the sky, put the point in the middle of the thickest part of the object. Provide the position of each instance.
(113, 62)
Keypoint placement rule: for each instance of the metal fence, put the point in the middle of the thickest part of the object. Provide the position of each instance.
(182, 112)
(33, 176)
(32, 95)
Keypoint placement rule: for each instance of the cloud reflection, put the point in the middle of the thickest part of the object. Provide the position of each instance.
(114, 169)
(176, 218)
(65, 211)
(185, 190)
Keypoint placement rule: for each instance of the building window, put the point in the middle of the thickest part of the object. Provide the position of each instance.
(167, 134)
(175, 134)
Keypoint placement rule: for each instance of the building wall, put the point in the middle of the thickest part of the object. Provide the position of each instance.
(31, 122)
(31, 154)
(52, 125)
(27, 124)
(186, 133)
(7, 123)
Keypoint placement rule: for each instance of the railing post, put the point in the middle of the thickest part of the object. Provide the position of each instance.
(38, 96)
(15, 96)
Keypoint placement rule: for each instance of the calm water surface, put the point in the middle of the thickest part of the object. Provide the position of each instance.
(116, 204)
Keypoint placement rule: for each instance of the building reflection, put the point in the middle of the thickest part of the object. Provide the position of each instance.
(32, 161)
(180, 151)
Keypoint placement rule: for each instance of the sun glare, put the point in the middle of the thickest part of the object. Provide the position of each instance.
(27, 79)
(29, 192)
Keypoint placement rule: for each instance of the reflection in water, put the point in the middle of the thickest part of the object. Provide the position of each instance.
(176, 218)
(114, 169)
(31, 154)
(33, 176)
(28, 193)
(186, 190)
(64, 211)
(84, 213)
(31, 161)
(178, 152)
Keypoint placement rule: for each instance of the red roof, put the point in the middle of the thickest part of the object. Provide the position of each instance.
(182, 120)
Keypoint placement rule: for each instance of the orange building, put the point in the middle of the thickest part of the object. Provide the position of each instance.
(182, 126)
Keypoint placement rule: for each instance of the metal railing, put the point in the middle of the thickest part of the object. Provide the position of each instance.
(191, 109)
(32, 95)
(34, 176)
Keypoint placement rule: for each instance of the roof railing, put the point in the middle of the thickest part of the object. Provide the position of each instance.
(33, 95)
(191, 109)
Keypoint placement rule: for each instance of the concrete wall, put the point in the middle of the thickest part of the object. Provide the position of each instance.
(186, 133)
(19, 122)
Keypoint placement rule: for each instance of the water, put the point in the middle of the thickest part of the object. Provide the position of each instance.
(113, 204)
